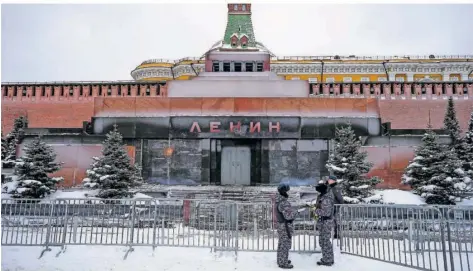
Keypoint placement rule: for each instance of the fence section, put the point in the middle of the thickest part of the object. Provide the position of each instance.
(421, 237)
(222, 225)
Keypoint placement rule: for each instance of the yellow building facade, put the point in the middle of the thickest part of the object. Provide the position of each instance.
(335, 69)
(321, 69)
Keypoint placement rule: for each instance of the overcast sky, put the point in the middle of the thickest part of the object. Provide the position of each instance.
(105, 42)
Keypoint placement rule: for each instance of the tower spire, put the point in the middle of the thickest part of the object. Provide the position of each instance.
(239, 23)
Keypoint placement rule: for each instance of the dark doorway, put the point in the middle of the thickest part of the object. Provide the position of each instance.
(237, 162)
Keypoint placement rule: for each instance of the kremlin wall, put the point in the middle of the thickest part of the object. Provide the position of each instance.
(239, 115)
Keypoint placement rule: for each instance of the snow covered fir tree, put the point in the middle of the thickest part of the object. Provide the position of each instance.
(451, 124)
(466, 152)
(113, 174)
(348, 163)
(31, 178)
(462, 146)
(436, 172)
(11, 141)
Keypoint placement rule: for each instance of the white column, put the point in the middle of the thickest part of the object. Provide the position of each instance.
(410, 77)
(464, 76)
(446, 76)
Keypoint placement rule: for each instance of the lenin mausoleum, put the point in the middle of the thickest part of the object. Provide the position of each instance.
(240, 115)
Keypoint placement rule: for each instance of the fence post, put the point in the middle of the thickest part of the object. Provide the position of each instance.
(273, 213)
(154, 222)
(65, 226)
(132, 225)
(236, 230)
(215, 227)
(442, 238)
(449, 238)
(132, 230)
(340, 226)
(48, 231)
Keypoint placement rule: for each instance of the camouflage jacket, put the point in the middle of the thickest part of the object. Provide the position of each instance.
(284, 212)
(326, 205)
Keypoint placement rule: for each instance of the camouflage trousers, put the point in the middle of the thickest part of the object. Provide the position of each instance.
(284, 243)
(325, 228)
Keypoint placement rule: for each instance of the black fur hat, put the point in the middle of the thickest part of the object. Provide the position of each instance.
(321, 188)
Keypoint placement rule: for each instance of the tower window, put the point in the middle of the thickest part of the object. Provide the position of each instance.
(259, 67)
(243, 7)
(238, 66)
(235, 7)
(216, 67)
(226, 67)
(249, 66)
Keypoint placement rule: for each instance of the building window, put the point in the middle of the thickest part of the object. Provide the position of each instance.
(249, 66)
(347, 79)
(382, 79)
(238, 66)
(259, 67)
(226, 66)
(365, 79)
(330, 80)
(399, 79)
(216, 67)
(454, 78)
(243, 7)
(312, 80)
(235, 7)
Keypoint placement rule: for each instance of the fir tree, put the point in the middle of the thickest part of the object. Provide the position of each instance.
(113, 173)
(451, 123)
(32, 169)
(435, 172)
(349, 165)
(12, 140)
(465, 151)
(462, 146)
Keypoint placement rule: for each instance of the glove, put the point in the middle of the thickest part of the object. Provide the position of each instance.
(313, 214)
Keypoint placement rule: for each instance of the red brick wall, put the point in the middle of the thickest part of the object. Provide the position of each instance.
(70, 111)
(414, 114)
(51, 114)
(389, 164)
(145, 106)
(77, 159)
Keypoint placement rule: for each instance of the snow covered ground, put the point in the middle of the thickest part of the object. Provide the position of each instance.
(392, 196)
(96, 258)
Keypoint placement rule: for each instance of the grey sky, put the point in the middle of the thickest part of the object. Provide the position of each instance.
(105, 42)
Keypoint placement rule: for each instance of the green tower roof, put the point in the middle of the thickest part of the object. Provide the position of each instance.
(239, 22)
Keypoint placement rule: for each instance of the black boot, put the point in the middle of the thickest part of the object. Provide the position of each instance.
(288, 266)
(323, 263)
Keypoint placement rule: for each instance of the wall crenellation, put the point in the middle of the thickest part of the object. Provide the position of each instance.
(389, 90)
(60, 91)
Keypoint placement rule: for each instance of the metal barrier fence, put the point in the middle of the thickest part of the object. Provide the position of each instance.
(421, 237)
(170, 222)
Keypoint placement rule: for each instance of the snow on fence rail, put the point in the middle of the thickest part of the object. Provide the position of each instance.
(422, 237)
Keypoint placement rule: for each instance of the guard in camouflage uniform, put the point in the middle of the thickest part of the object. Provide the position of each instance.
(285, 216)
(325, 211)
(332, 182)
